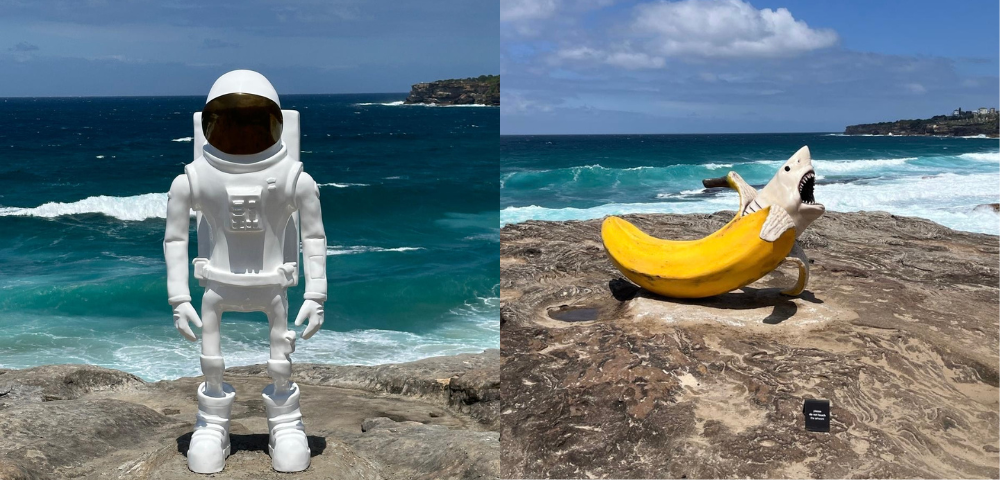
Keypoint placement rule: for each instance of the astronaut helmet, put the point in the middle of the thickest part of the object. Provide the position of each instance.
(242, 115)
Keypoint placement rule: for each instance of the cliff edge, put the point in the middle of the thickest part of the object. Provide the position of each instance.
(482, 90)
(966, 124)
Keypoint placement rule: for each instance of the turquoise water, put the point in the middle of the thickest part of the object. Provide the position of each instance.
(584, 177)
(409, 196)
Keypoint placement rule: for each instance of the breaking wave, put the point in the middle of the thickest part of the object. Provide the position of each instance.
(134, 208)
(342, 185)
(352, 250)
(948, 199)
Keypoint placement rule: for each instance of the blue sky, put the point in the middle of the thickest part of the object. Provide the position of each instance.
(179, 47)
(714, 66)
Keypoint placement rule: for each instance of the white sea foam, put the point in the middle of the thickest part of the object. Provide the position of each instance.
(134, 208)
(342, 185)
(948, 199)
(402, 103)
(716, 166)
(388, 104)
(852, 166)
(982, 156)
(726, 201)
(183, 139)
(154, 351)
(847, 166)
(355, 249)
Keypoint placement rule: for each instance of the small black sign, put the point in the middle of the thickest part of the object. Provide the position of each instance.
(817, 414)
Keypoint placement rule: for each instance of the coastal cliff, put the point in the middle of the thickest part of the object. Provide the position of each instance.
(434, 418)
(482, 90)
(897, 328)
(965, 124)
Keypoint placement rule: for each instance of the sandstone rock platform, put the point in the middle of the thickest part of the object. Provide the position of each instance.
(898, 328)
(422, 419)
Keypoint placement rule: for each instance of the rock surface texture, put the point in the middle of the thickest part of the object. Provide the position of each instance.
(386, 422)
(484, 90)
(898, 329)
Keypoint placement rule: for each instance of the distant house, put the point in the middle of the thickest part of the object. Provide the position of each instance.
(993, 111)
(982, 110)
(957, 112)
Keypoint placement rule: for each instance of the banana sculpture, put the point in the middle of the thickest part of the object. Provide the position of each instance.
(760, 237)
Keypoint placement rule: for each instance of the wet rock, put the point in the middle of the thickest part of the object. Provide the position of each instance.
(988, 207)
(897, 329)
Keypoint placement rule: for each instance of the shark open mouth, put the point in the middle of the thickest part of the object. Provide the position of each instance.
(806, 186)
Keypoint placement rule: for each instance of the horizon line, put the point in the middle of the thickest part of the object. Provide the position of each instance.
(178, 96)
(619, 134)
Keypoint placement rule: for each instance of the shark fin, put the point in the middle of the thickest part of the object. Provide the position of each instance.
(747, 193)
(798, 256)
(778, 221)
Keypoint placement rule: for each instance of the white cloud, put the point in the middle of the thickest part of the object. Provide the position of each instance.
(516, 103)
(623, 58)
(915, 88)
(725, 28)
(521, 10)
(633, 60)
(578, 53)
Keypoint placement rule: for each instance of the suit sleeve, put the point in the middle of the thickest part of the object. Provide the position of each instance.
(175, 240)
(313, 237)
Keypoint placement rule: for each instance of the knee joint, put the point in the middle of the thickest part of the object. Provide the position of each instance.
(283, 343)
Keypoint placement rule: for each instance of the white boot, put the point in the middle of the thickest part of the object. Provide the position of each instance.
(210, 441)
(288, 446)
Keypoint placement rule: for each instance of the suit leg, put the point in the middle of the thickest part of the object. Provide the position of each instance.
(212, 364)
(279, 367)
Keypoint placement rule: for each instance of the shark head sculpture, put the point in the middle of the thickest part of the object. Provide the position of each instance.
(792, 189)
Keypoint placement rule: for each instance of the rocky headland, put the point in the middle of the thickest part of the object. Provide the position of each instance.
(966, 124)
(897, 328)
(429, 419)
(482, 90)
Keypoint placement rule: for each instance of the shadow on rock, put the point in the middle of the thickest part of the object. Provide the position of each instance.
(254, 442)
(747, 298)
(623, 290)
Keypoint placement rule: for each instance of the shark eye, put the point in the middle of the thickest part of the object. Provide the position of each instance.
(787, 168)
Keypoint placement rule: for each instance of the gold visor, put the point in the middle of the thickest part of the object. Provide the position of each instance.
(241, 123)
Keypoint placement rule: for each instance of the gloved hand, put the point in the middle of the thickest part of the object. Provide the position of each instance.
(184, 314)
(312, 310)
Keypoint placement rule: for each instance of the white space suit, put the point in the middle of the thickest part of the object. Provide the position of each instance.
(253, 201)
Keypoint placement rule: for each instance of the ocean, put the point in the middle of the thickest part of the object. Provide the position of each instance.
(409, 197)
(590, 176)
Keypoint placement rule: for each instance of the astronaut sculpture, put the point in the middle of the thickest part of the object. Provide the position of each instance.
(251, 199)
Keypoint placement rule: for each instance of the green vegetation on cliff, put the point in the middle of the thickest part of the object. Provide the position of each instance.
(961, 125)
(481, 90)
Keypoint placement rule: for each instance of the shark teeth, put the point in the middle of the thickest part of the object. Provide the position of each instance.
(806, 185)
